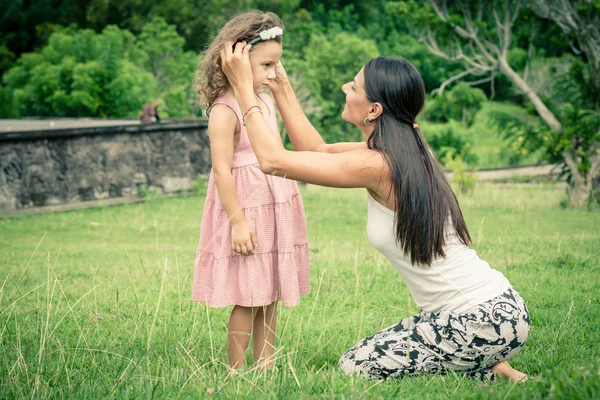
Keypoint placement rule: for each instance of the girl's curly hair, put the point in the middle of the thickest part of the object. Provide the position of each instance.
(210, 81)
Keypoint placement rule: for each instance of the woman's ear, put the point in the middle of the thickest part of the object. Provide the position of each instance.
(375, 111)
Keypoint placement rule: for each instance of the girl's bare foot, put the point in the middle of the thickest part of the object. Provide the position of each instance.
(504, 370)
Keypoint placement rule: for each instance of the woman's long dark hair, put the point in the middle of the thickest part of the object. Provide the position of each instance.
(423, 198)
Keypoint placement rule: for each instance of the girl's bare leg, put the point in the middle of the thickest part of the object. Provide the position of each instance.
(504, 369)
(263, 340)
(238, 334)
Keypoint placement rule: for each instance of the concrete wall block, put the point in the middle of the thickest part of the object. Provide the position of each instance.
(44, 168)
(171, 184)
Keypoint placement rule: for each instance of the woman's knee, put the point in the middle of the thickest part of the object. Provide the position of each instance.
(370, 369)
(347, 363)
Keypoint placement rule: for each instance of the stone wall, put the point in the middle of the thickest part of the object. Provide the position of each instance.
(58, 166)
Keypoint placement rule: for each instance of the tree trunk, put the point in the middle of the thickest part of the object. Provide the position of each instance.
(579, 190)
(539, 105)
(596, 189)
(583, 26)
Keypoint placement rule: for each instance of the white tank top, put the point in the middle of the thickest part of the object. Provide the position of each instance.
(455, 283)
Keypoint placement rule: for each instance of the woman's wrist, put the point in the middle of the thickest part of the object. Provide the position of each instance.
(283, 89)
(245, 98)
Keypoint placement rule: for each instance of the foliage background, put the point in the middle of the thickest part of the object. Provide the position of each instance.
(94, 58)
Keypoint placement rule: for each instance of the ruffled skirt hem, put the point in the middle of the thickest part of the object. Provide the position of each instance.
(253, 280)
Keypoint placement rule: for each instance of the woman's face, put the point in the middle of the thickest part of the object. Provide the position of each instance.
(263, 58)
(357, 106)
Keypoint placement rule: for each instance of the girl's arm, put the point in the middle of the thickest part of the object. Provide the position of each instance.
(356, 168)
(221, 130)
(303, 135)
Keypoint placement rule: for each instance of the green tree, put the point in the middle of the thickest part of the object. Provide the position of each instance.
(197, 21)
(331, 62)
(479, 35)
(26, 25)
(579, 137)
(433, 70)
(160, 50)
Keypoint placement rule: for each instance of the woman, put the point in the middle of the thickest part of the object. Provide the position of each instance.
(472, 320)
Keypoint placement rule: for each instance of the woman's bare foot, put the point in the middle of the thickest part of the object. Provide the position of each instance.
(504, 370)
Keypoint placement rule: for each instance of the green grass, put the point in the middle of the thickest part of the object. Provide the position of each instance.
(95, 303)
(491, 150)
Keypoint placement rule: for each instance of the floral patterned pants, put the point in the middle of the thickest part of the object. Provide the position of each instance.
(434, 343)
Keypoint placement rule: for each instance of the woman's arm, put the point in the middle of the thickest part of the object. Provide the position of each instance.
(342, 147)
(357, 168)
(302, 133)
(221, 130)
(351, 169)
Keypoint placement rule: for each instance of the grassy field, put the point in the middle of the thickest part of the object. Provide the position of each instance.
(96, 303)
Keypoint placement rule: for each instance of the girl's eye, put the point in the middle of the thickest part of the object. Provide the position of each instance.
(267, 65)
(352, 86)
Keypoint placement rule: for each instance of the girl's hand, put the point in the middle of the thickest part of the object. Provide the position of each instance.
(235, 61)
(243, 239)
(281, 78)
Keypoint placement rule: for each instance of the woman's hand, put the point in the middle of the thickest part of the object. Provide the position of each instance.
(243, 239)
(235, 61)
(281, 79)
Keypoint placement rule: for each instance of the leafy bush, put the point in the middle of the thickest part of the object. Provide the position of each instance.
(111, 74)
(199, 185)
(460, 103)
(7, 106)
(80, 73)
(149, 192)
(7, 59)
(465, 180)
(449, 139)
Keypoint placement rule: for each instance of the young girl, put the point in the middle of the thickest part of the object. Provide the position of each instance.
(253, 248)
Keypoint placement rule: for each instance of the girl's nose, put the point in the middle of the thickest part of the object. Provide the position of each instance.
(344, 86)
(272, 75)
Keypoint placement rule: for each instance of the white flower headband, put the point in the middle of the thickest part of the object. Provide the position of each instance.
(267, 34)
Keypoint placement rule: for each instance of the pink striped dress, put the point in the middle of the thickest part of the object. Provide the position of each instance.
(272, 206)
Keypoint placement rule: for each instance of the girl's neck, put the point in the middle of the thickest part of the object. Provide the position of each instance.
(229, 92)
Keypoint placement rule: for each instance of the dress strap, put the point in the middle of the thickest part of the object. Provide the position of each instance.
(233, 105)
(267, 100)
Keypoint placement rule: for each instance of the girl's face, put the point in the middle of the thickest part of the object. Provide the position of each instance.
(357, 106)
(263, 58)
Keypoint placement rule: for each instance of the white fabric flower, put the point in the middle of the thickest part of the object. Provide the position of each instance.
(271, 33)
